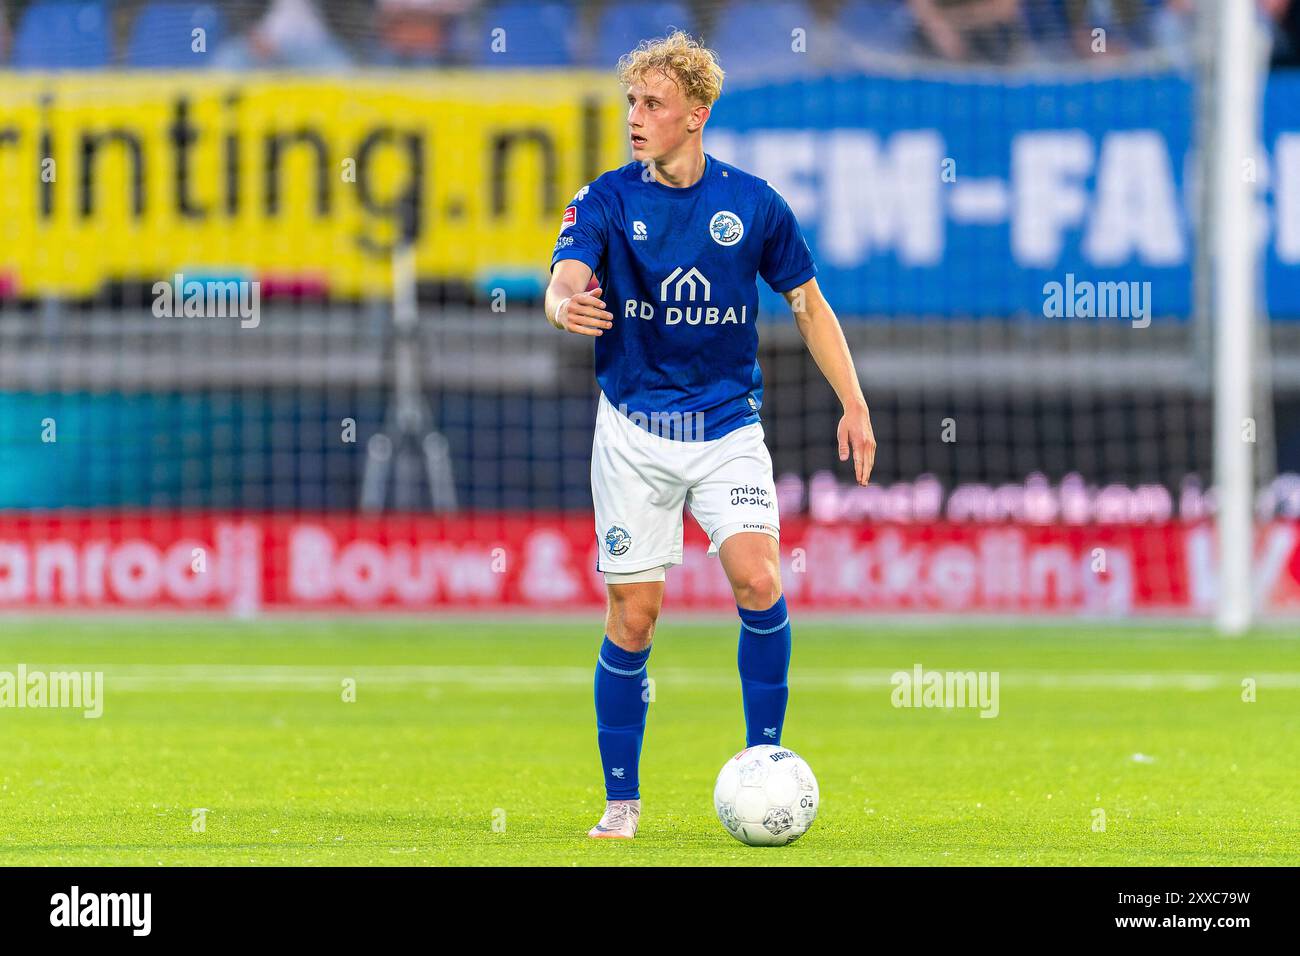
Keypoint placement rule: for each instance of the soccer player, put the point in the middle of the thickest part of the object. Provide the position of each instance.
(657, 262)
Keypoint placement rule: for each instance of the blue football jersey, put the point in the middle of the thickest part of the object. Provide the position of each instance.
(677, 268)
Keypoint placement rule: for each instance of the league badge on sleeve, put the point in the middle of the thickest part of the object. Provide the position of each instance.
(570, 217)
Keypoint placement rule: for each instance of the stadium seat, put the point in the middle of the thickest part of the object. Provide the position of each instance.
(62, 35)
(877, 24)
(1047, 24)
(755, 38)
(623, 25)
(162, 37)
(535, 34)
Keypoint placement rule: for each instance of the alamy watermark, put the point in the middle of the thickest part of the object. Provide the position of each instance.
(209, 299)
(73, 690)
(674, 426)
(946, 689)
(74, 908)
(1084, 299)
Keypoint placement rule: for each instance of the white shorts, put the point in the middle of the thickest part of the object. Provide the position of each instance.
(640, 482)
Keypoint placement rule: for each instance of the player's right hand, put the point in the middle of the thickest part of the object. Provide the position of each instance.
(584, 314)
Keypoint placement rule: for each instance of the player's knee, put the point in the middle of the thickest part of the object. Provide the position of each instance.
(633, 631)
(632, 623)
(759, 589)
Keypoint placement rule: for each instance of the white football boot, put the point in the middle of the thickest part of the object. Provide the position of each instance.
(619, 821)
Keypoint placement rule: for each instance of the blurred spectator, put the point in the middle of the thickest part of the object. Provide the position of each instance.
(968, 30)
(1127, 24)
(291, 34)
(1285, 15)
(1173, 28)
(416, 32)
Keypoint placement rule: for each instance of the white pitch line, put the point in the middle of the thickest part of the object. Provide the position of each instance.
(255, 677)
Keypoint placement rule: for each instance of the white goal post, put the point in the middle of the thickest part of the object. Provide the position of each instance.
(1236, 78)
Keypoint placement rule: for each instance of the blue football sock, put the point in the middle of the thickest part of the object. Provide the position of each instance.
(622, 700)
(764, 661)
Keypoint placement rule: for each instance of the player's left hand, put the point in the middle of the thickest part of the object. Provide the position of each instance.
(855, 435)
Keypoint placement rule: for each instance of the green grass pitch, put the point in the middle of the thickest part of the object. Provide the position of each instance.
(471, 742)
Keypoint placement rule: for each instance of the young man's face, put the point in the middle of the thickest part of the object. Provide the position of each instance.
(659, 117)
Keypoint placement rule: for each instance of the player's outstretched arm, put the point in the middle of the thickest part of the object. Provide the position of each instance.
(571, 305)
(825, 340)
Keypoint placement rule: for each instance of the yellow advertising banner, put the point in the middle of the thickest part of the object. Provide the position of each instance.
(141, 176)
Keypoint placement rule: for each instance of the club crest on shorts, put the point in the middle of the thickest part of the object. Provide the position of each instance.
(617, 540)
(726, 228)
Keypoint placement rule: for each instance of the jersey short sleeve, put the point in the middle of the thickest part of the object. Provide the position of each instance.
(583, 228)
(787, 261)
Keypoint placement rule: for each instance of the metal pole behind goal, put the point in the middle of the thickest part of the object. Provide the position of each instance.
(408, 455)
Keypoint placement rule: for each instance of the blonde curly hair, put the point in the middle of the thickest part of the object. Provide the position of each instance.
(687, 62)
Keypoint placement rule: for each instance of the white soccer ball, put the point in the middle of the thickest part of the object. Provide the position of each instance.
(766, 796)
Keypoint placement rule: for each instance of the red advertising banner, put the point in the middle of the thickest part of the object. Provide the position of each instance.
(243, 563)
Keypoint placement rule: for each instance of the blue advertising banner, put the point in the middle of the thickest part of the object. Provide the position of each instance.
(955, 198)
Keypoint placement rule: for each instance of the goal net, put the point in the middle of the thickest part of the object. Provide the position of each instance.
(270, 301)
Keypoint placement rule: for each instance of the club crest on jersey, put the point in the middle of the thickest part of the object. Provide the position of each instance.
(617, 540)
(570, 217)
(726, 228)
